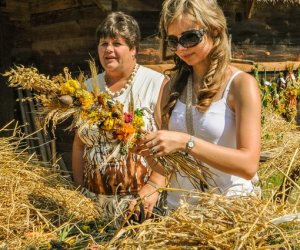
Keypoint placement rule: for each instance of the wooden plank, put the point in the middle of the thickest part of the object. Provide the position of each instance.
(60, 46)
(264, 53)
(18, 10)
(42, 147)
(25, 121)
(104, 5)
(42, 6)
(268, 66)
(85, 12)
(63, 30)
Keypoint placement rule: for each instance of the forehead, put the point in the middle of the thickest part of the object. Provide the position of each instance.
(181, 24)
(113, 38)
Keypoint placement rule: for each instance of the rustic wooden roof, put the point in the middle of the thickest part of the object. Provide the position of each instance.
(282, 1)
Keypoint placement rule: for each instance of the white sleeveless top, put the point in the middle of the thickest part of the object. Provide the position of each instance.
(216, 125)
(125, 176)
(145, 88)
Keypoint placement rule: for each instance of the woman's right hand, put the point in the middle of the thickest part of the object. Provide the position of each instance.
(162, 142)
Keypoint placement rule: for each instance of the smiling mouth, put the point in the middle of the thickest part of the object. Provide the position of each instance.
(186, 56)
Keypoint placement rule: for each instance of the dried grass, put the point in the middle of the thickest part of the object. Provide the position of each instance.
(39, 205)
(216, 222)
(35, 201)
(281, 139)
(219, 222)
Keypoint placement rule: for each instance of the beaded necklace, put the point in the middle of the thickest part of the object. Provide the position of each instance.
(126, 86)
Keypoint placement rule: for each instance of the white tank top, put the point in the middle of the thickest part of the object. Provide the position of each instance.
(216, 125)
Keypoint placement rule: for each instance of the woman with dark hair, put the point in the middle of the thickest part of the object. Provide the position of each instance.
(211, 109)
(117, 183)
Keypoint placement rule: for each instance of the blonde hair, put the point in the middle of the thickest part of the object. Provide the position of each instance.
(209, 15)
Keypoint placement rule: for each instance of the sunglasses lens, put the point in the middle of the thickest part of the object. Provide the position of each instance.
(172, 42)
(190, 39)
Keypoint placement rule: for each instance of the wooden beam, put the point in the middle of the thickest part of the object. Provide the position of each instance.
(268, 66)
(103, 5)
(58, 16)
(46, 6)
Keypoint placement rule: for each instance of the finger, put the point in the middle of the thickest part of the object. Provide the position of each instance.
(159, 154)
(150, 136)
(145, 152)
(148, 212)
(140, 148)
(132, 205)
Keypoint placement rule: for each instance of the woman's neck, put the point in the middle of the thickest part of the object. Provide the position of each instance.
(122, 82)
(199, 71)
(119, 76)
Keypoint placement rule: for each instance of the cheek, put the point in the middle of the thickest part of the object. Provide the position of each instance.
(101, 51)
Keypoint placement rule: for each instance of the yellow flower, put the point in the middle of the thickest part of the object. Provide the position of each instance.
(138, 121)
(70, 87)
(108, 124)
(86, 98)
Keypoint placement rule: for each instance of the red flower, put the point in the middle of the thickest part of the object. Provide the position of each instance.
(128, 117)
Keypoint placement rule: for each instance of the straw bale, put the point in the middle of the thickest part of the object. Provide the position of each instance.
(35, 201)
(216, 222)
(38, 207)
(281, 139)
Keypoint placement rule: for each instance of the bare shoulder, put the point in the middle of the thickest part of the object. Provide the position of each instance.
(244, 90)
(243, 81)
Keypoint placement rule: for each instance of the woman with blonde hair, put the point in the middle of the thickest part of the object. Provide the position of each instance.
(210, 108)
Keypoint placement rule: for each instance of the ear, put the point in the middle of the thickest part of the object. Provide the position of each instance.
(133, 52)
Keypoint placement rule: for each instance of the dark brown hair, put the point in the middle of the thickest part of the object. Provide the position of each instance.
(120, 24)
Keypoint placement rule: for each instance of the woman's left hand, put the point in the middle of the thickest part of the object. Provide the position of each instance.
(162, 142)
(149, 196)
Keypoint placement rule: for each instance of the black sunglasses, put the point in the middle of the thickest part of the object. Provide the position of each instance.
(188, 39)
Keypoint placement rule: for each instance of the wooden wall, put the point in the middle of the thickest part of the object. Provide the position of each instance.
(53, 34)
(270, 34)
(7, 97)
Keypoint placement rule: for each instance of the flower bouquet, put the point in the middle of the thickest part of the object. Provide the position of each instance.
(63, 96)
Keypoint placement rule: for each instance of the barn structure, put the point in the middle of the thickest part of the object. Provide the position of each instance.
(53, 34)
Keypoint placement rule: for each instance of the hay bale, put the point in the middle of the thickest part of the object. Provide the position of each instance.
(216, 222)
(35, 201)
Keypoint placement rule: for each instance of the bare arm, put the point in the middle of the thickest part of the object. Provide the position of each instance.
(243, 161)
(157, 177)
(77, 160)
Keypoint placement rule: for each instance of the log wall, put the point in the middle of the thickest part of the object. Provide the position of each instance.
(53, 34)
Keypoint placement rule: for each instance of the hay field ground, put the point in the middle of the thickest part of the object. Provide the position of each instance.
(40, 208)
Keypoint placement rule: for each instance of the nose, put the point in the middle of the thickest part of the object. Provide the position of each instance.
(109, 47)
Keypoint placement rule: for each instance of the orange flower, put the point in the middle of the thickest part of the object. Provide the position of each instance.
(125, 132)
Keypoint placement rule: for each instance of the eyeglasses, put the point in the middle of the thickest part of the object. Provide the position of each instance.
(188, 39)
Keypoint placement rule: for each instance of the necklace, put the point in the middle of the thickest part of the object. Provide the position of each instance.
(126, 86)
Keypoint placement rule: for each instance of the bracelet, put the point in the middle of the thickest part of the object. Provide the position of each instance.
(151, 183)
